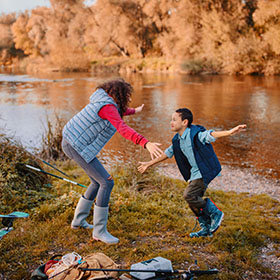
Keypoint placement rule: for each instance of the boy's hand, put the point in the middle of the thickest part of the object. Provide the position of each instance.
(144, 165)
(142, 168)
(139, 109)
(237, 129)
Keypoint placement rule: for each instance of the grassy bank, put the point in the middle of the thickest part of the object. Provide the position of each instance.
(141, 65)
(118, 65)
(150, 217)
(151, 65)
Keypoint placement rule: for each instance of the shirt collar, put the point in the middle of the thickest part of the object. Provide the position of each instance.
(185, 134)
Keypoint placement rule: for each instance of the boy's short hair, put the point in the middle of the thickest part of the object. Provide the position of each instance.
(185, 114)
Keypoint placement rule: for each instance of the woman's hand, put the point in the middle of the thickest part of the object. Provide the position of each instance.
(139, 109)
(142, 168)
(154, 150)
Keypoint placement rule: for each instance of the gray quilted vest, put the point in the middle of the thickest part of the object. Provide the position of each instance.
(86, 132)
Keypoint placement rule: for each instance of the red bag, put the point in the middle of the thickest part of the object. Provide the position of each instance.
(49, 264)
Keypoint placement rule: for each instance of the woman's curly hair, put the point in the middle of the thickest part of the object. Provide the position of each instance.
(120, 91)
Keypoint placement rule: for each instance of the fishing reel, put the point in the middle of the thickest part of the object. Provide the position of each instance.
(8, 222)
(189, 275)
(186, 276)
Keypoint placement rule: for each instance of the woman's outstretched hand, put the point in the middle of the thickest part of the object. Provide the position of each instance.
(154, 150)
(139, 109)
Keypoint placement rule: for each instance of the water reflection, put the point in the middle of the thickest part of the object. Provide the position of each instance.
(218, 102)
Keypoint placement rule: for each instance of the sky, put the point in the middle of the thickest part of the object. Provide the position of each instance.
(11, 6)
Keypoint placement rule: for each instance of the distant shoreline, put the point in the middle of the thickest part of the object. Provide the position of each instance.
(113, 65)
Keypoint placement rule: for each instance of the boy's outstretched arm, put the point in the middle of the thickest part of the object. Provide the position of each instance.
(144, 165)
(237, 129)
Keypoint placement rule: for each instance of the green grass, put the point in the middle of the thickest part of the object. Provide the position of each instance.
(150, 217)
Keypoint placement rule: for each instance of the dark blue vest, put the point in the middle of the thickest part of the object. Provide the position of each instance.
(205, 157)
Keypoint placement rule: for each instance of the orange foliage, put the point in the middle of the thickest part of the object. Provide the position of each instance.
(21, 38)
(65, 35)
(267, 19)
(224, 36)
(6, 38)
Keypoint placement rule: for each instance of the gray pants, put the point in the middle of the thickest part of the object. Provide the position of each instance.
(193, 195)
(100, 187)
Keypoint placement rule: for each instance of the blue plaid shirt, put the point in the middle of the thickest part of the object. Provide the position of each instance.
(186, 147)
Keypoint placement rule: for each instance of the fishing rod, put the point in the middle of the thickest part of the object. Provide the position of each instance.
(56, 176)
(197, 272)
(161, 274)
(47, 163)
(186, 274)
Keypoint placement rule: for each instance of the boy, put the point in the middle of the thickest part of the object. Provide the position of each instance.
(198, 164)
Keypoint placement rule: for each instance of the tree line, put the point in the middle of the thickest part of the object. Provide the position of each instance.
(220, 36)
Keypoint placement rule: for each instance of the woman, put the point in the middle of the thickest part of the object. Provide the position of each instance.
(83, 138)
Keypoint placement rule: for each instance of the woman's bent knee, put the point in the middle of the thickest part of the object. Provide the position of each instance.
(110, 183)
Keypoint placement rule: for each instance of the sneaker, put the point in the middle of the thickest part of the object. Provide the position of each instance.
(204, 222)
(215, 214)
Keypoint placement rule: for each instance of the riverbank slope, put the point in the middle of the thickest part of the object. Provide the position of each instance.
(233, 179)
(149, 215)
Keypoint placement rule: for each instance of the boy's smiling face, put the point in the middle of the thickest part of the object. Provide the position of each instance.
(177, 124)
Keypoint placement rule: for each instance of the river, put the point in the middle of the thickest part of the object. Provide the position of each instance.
(217, 102)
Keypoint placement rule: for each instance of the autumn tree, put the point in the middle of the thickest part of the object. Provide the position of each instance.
(128, 27)
(6, 36)
(9, 54)
(206, 31)
(267, 24)
(30, 30)
(223, 36)
(65, 36)
(56, 33)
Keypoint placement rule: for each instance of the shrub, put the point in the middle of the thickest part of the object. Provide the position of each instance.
(51, 141)
(20, 188)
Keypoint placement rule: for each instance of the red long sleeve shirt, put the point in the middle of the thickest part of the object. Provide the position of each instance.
(109, 112)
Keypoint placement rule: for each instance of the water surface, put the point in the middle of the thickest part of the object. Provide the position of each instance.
(217, 102)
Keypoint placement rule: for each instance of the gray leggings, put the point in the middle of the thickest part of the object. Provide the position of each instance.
(100, 187)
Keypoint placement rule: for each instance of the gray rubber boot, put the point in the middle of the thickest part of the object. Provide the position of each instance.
(100, 218)
(81, 212)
